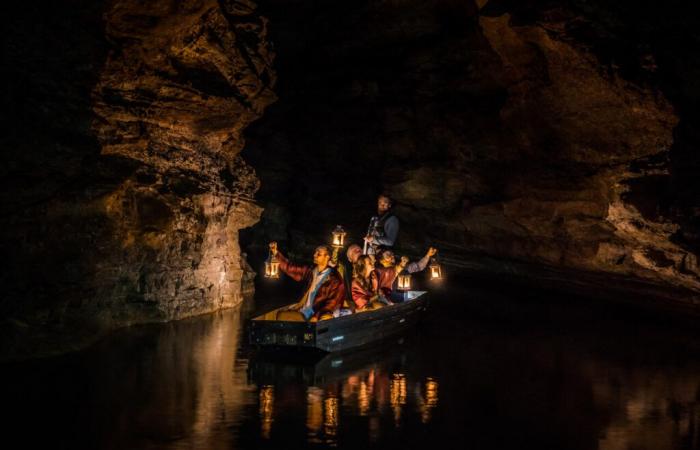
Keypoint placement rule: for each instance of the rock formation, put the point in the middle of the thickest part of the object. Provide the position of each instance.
(125, 191)
(538, 138)
(548, 139)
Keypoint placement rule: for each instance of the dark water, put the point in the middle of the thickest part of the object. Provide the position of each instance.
(488, 368)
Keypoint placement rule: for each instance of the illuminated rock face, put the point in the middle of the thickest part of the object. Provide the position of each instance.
(532, 138)
(126, 189)
(593, 150)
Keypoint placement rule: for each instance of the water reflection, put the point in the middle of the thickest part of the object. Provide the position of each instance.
(185, 385)
(429, 399)
(651, 409)
(330, 420)
(357, 396)
(314, 413)
(397, 391)
(267, 407)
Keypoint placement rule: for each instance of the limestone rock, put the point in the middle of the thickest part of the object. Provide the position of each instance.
(140, 189)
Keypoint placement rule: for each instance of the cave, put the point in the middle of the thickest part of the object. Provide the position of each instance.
(548, 149)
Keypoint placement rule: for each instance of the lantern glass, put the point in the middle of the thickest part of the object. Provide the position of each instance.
(338, 237)
(404, 283)
(272, 269)
(435, 271)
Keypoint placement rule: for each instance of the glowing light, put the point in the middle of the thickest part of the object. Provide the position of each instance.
(397, 395)
(330, 420)
(338, 239)
(267, 403)
(363, 398)
(314, 413)
(272, 268)
(404, 281)
(435, 270)
(430, 400)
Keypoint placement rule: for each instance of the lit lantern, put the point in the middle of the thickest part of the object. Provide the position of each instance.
(435, 270)
(272, 268)
(338, 237)
(404, 281)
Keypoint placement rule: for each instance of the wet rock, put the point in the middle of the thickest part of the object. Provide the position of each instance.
(129, 147)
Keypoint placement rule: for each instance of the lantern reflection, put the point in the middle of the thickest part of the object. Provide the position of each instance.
(314, 413)
(330, 419)
(397, 395)
(430, 399)
(363, 397)
(267, 404)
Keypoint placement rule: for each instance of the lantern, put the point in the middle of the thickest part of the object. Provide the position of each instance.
(404, 281)
(272, 267)
(338, 237)
(435, 270)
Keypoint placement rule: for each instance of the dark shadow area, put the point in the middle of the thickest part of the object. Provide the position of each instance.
(491, 367)
(495, 142)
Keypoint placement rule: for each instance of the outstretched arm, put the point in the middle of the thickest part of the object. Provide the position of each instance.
(422, 263)
(294, 271)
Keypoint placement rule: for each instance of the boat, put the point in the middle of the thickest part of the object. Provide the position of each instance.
(339, 333)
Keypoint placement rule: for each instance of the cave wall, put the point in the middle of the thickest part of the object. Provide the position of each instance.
(123, 185)
(540, 138)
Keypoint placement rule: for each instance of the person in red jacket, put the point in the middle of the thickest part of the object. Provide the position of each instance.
(324, 292)
(387, 270)
(364, 295)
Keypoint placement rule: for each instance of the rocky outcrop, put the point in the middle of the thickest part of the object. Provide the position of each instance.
(522, 138)
(595, 148)
(131, 144)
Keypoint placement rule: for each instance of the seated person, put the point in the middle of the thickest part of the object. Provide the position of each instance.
(354, 251)
(324, 292)
(387, 271)
(364, 297)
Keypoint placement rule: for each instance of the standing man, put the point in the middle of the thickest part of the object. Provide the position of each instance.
(383, 228)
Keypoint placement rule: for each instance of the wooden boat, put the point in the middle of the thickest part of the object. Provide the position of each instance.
(340, 333)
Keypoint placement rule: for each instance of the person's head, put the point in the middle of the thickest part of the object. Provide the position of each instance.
(354, 252)
(322, 255)
(362, 267)
(387, 258)
(384, 204)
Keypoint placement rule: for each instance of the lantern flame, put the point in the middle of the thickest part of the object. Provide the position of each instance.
(338, 239)
(435, 270)
(272, 268)
(404, 281)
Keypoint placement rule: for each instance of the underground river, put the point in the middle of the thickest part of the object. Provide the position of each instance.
(490, 367)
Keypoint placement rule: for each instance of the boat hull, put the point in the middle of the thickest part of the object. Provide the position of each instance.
(341, 333)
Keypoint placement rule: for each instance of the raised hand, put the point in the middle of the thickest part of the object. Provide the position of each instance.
(273, 248)
(432, 251)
